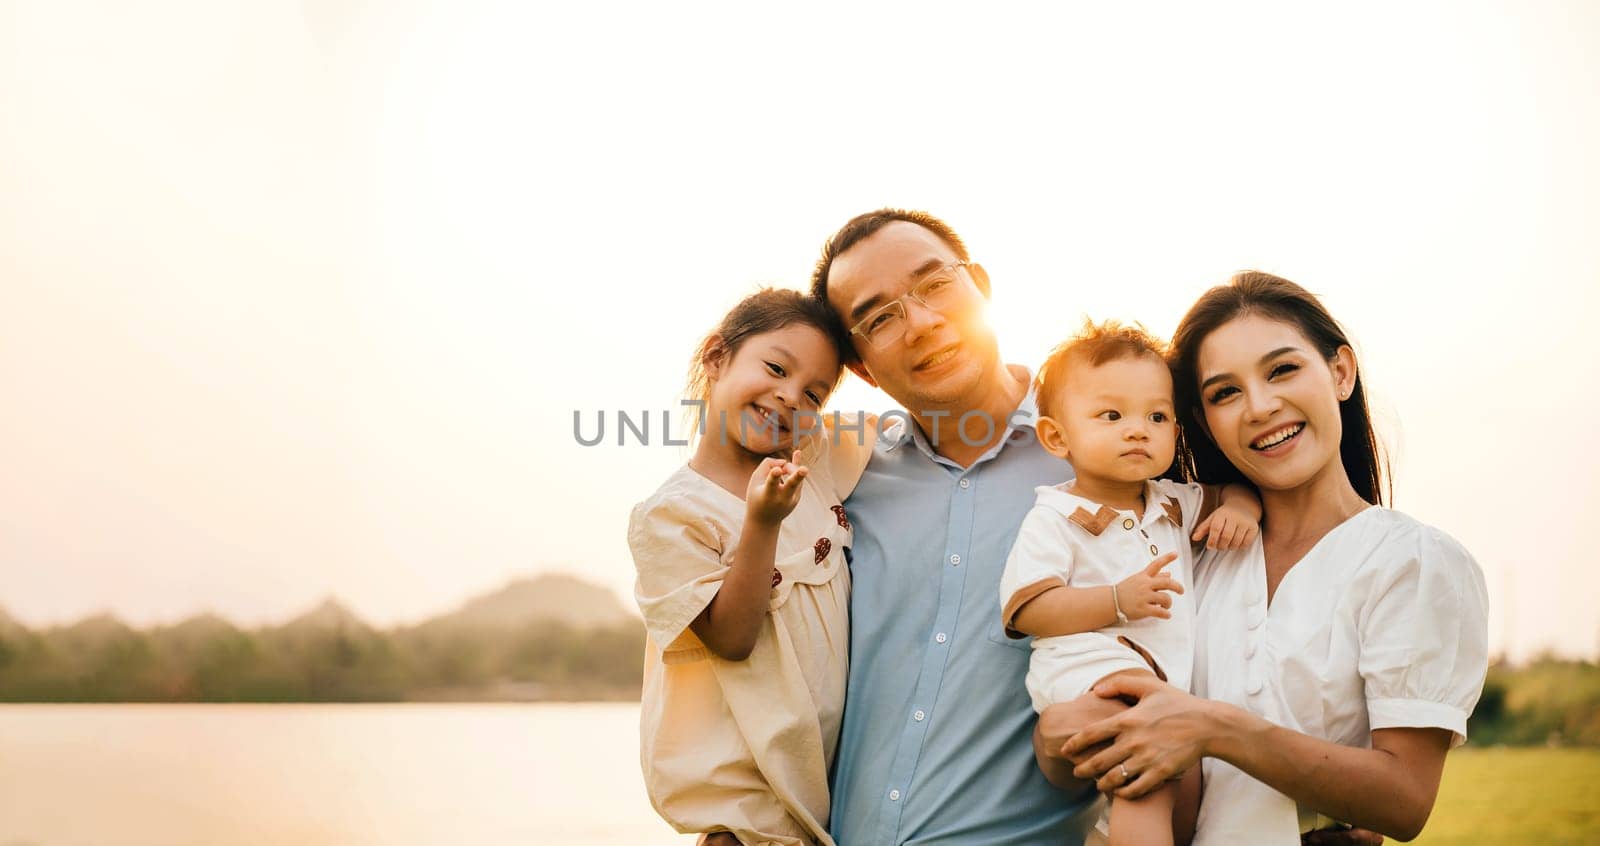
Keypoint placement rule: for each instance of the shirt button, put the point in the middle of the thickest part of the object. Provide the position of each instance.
(955, 560)
(940, 638)
(918, 716)
(1256, 681)
(966, 483)
(894, 796)
(1127, 523)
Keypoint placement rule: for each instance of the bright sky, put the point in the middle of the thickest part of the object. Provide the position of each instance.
(301, 299)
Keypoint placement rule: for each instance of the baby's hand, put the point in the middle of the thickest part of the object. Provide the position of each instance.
(1228, 527)
(774, 490)
(1143, 594)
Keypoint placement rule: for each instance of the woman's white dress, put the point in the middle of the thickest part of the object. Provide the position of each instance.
(1383, 624)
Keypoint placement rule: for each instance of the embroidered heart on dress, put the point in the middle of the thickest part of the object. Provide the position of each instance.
(823, 547)
(838, 512)
(776, 577)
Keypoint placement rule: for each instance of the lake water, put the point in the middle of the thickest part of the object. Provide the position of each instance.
(235, 775)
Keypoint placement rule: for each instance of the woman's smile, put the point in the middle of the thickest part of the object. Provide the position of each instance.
(1279, 440)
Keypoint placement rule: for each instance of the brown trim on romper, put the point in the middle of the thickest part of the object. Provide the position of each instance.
(1174, 511)
(1143, 654)
(1023, 596)
(1094, 523)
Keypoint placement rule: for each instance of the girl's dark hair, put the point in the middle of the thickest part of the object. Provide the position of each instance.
(1255, 292)
(767, 310)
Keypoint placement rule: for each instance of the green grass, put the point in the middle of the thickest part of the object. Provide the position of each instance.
(1509, 796)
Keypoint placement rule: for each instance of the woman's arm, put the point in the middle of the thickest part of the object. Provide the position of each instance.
(1389, 788)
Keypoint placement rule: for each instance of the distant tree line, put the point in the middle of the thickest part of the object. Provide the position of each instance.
(1547, 701)
(208, 659)
(331, 656)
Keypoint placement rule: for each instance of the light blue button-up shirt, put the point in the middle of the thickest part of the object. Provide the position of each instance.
(936, 745)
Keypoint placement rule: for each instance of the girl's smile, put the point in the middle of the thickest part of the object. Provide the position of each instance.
(773, 378)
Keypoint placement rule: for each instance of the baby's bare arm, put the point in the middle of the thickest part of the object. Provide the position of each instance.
(1064, 610)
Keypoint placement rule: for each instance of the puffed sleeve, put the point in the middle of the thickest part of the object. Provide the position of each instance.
(1040, 559)
(678, 556)
(850, 438)
(1425, 636)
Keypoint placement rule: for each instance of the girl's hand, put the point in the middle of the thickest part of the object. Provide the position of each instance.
(1159, 738)
(1228, 527)
(1143, 594)
(774, 491)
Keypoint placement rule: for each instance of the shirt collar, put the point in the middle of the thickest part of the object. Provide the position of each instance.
(1019, 423)
(1094, 517)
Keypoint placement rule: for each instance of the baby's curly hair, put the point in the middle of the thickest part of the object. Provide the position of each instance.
(1095, 344)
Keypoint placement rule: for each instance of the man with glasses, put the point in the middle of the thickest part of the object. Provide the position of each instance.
(936, 745)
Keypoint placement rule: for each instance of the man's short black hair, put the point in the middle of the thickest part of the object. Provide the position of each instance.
(862, 226)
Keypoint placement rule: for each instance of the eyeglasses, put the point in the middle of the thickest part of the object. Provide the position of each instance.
(938, 291)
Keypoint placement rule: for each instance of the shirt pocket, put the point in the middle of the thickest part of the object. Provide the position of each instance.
(995, 630)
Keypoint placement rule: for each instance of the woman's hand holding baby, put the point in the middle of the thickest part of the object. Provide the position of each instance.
(774, 490)
(1144, 594)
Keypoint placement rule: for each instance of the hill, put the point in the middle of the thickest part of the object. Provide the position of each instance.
(555, 598)
(552, 637)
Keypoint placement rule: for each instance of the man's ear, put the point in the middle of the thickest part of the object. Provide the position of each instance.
(980, 277)
(1052, 437)
(860, 369)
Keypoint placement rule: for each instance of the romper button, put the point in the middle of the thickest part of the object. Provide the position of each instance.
(1255, 686)
(1127, 523)
(1152, 549)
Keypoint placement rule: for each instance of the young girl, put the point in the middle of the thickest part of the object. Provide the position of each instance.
(743, 585)
(1101, 564)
